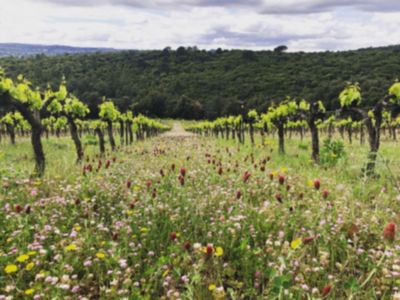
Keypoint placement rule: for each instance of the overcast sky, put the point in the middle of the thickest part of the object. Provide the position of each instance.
(307, 25)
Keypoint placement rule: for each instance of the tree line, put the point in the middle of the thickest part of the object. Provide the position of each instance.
(33, 111)
(299, 115)
(196, 84)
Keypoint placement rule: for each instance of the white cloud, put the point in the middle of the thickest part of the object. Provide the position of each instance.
(307, 25)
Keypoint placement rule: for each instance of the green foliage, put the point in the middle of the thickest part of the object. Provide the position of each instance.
(66, 104)
(283, 111)
(331, 152)
(321, 106)
(304, 105)
(145, 122)
(108, 111)
(395, 90)
(153, 82)
(303, 146)
(168, 225)
(98, 124)
(59, 102)
(252, 116)
(12, 118)
(351, 94)
(20, 91)
(90, 140)
(55, 107)
(60, 123)
(48, 122)
(344, 122)
(74, 107)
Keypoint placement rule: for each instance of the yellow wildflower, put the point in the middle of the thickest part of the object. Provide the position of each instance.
(22, 258)
(29, 291)
(10, 269)
(211, 287)
(29, 266)
(71, 247)
(100, 255)
(219, 251)
(295, 243)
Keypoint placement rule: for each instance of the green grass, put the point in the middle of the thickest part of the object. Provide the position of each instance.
(135, 227)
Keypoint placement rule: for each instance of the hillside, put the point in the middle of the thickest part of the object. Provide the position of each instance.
(23, 50)
(192, 83)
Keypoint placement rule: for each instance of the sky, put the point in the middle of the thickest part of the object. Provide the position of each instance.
(302, 25)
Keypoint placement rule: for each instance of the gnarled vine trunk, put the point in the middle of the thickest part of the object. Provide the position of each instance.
(130, 132)
(110, 135)
(121, 131)
(33, 118)
(362, 135)
(40, 161)
(251, 131)
(374, 143)
(11, 132)
(373, 125)
(281, 137)
(350, 133)
(75, 137)
(314, 140)
(100, 134)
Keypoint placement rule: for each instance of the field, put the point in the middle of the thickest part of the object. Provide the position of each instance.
(181, 216)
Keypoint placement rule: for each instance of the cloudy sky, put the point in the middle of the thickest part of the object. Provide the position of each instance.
(307, 25)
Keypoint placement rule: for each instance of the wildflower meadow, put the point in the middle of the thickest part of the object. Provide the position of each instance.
(184, 216)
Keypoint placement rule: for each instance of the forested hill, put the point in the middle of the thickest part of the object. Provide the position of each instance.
(24, 50)
(191, 83)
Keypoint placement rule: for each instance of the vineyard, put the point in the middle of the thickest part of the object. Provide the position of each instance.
(295, 202)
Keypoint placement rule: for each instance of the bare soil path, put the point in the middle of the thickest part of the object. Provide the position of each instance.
(177, 131)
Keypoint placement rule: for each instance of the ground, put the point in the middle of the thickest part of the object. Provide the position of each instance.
(189, 217)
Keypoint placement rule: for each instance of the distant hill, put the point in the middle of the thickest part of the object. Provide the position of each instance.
(193, 83)
(23, 50)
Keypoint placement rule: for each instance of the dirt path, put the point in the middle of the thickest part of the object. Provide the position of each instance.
(177, 131)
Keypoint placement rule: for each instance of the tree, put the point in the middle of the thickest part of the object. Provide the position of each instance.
(180, 51)
(238, 125)
(279, 116)
(109, 114)
(252, 118)
(71, 108)
(122, 121)
(188, 108)
(11, 120)
(350, 99)
(312, 113)
(280, 49)
(249, 55)
(48, 125)
(98, 129)
(31, 103)
(60, 125)
(128, 127)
